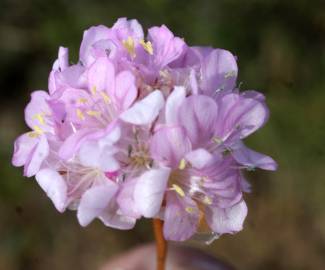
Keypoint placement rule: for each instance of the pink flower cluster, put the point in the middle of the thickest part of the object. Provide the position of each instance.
(144, 127)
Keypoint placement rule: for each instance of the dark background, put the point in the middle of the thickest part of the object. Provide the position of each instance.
(280, 49)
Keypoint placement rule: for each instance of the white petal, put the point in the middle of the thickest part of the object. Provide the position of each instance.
(144, 111)
(149, 191)
(54, 186)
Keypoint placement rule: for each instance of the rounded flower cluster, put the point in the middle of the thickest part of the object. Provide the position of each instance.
(144, 127)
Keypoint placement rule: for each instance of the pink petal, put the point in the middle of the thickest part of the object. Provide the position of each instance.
(199, 158)
(111, 218)
(94, 201)
(227, 220)
(219, 71)
(240, 116)
(252, 159)
(128, 28)
(144, 111)
(197, 115)
(126, 90)
(169, 145)
(63, 58)
(90, 37)
(36, 158)
(167, 48)
(181, 218)
(173, 103)
(54, 186)
(126, 201)
(23, 147)
(149, 191)
(37, 112)
(101, 75)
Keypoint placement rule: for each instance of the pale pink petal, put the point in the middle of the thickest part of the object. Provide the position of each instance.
(144, 112)
(173, 103)
(240, 116)
(128, 28)
(23, 147)
(149, 191)
(63, 58)
(198, 115)
(72, 144)
(252, 159)
(94, 201)
(219, 71)
(227, 220)
(112, 217)
(35, 160)
(38, 112)
(166, 46)
(125, 199)
(54, 186)
(199, 158)
(169, 145)
(101, 75)
(90, 37)
(126, 90)
(181, 218)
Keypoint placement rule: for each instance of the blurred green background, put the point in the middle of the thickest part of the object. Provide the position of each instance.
(280, 48)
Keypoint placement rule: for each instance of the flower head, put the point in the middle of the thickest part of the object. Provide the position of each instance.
(144, 127)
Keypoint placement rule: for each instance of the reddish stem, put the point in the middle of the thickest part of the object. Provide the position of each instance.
(161, 243)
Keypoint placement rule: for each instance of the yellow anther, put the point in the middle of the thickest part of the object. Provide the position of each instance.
(207, 200)
(93, 113)
(105, 97)
(189, 210)
(82, 100)
(129, 46)
(178, 190)
(147, 46)
(182, 164)
(33, 134)
(38, 130)
(80, 114)
(93, 90)
(40, 118)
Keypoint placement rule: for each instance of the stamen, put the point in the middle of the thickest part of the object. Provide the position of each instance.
(105, 97)
(80, 114)
(147, 46)
(178, 190)
(189, 210)
(82, 100)
(207, 200)
(93, 90)
(38, 130)
(93, 113)
(40, 118)
(129, 46)
(182, 164)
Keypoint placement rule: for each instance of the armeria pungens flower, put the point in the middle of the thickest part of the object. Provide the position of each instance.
(144, 127)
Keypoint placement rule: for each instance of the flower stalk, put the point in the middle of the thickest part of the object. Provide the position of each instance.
(161, 244)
